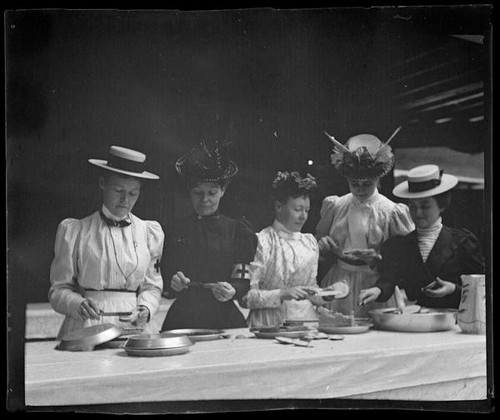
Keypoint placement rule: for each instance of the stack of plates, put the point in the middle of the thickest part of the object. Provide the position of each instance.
(153, 345)
(87, 338)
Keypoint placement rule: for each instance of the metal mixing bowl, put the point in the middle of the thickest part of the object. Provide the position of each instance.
(433, 320)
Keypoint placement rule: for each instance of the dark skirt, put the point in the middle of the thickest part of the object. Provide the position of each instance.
(202, 310)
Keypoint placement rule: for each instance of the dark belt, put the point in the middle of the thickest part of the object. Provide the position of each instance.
(353, 262)
(111, 290)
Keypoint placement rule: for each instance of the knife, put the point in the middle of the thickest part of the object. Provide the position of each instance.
(200, 284)
(102, 313)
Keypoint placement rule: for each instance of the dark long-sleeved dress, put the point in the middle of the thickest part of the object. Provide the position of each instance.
(455, 252)
(206, 249)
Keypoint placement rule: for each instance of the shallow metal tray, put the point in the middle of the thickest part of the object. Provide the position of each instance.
(87, 338)
(156, 352)
(198, 334)
(157, 341)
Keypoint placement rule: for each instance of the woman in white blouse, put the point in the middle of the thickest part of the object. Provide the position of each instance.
(108, 262)
(353, 227)
(286, 261)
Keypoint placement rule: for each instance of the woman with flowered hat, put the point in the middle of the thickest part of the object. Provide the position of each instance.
(207, 252)
(353, 227)
(286, 262)
(108, 262)
(428, 262)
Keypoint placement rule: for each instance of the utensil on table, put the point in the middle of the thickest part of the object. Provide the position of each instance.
(156, 345)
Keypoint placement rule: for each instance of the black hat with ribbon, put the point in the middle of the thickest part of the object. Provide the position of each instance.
(208, 162)
(125, 161)
(425, 181)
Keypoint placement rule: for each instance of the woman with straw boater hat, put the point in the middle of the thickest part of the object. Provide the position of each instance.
(352, 227)
(207, 253)
(428, 262)
(108, 262)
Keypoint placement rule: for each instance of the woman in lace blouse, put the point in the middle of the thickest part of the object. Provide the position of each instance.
(286, 262)
(353, 227)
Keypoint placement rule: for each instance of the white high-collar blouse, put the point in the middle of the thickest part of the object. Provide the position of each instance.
(85, 259)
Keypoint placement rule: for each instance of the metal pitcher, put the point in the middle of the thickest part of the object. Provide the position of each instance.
(472, 310)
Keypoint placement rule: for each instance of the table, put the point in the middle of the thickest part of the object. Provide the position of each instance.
(377, 364)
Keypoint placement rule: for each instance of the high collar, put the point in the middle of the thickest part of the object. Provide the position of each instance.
(368, 201)
(214, 216)
(283, 232)
(111, 216)
(434, 228)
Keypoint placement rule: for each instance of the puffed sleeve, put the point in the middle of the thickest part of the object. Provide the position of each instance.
(259, 298)
(470, 254)
(65, 294)
(400, 223)
(149, 293)
(327, 213)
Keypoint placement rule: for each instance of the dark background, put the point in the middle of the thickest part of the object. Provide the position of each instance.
(268, 81)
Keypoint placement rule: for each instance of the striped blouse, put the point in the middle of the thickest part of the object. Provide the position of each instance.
(427, 238)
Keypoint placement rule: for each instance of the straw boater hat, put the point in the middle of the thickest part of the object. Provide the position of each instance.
(208, 162)
(363, 157)
(425, 181)
(125, 161)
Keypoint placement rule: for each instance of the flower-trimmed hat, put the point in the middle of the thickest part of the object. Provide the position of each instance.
(208, 162)
(425, 181)
(125, 161)
(292, 184)
(363, 156)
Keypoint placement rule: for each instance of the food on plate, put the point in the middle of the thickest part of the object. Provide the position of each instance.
(337, 319)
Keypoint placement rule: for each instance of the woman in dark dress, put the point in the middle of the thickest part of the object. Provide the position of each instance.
(207, 253)
(428, 262)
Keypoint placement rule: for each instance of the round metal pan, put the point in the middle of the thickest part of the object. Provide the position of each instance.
(155, 352)
(87, 338)
(157, 341)
(196, 335)
(120, 341)
(357, 329)
(429, 321)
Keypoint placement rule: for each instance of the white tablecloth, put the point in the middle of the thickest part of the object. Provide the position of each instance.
(412, 366)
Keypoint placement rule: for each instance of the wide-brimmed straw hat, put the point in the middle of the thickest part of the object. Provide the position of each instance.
(425, 181)
(125, 161)
(363, 157)
(208, 162)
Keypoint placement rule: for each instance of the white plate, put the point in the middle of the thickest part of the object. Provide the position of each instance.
(156, 352)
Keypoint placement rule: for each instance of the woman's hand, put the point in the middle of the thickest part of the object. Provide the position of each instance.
(179, 281)
(223, 291)
(89, 310)
(327, 245)
(439, 288)
(368, 295)
(294, 293)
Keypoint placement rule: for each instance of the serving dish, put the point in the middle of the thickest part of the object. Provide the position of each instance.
(156, 352)
(356, 329)
(157, 341)
(427, 320)
(198, 334)
(87, 338)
